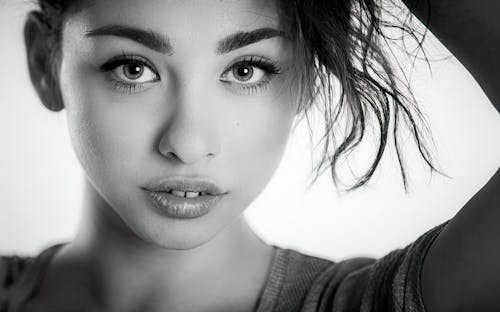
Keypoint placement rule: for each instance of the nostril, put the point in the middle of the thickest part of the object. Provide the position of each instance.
(172, 156)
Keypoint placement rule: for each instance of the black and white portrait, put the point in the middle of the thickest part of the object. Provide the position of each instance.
(249, 155)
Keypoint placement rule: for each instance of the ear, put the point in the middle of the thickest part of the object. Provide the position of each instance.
(39, 46)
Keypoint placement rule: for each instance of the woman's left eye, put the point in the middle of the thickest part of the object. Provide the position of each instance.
(250, 74)
(244, 74)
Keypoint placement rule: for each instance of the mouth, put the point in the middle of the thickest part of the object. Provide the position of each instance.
(187, 194)
(185, 187)
(184, 198)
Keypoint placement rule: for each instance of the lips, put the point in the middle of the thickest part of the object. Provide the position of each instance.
(178, 185)
(184, 198)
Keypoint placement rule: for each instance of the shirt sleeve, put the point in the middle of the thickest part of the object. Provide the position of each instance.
(11, 268)
(389, 284)
(19, 278)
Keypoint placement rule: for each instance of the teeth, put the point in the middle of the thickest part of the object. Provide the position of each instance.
(192, 194)
(185, 194)
(178, 193)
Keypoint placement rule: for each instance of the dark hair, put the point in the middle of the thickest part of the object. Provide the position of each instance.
(344, 41)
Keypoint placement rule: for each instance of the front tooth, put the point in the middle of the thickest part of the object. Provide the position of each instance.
(191, 194)
(178, 193)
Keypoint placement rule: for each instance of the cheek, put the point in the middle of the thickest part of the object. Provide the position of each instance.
(258, 142)
(107, 132)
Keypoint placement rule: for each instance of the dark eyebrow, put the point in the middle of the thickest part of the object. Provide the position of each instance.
(243, 38)
(148, 38)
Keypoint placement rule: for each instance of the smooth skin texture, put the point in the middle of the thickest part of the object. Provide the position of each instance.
(179, 105)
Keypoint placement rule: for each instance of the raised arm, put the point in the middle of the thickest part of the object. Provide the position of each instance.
(471, 31)
(462, 268)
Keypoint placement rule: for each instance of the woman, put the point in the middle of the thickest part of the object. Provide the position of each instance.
(179, 112)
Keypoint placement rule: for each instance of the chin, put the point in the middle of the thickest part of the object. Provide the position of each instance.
(182, 242)
(176, 234)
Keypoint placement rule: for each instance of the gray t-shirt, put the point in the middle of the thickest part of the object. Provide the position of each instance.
(296, 282)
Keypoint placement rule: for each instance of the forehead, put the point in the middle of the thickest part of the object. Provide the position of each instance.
(182, 18)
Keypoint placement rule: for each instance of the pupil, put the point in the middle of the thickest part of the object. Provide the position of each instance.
(133, 71)
(244, 73)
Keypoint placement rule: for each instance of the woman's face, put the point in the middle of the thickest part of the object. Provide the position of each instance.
(187, 89)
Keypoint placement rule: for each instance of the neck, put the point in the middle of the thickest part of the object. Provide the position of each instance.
(130, 271)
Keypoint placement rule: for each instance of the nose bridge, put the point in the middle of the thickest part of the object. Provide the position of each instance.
(190, 135)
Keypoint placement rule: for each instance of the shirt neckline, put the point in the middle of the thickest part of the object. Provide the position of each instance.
(266, 303)
(274, 283)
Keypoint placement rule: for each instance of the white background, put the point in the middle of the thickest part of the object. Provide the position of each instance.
(41, 181)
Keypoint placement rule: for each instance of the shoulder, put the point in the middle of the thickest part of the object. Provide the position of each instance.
(13, 271)
(296, 276)
(12, 268)
(391, 283)
(310, 270)
(20, 275)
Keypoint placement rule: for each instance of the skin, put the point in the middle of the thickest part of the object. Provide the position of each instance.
(182, 120)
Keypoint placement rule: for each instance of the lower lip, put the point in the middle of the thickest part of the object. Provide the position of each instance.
(181, 207)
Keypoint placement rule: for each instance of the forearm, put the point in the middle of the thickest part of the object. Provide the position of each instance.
(462, 268)
(470, 29)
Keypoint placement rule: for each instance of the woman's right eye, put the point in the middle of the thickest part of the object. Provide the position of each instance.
(130, 73)
(134, 73)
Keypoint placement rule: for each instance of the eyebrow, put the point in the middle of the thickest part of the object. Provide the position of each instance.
(148, 38)
(160, 43)
(244, 38)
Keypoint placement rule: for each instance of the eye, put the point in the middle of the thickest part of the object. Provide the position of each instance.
(134, 73)
(250, 72)
(130, 73)
(244, 73)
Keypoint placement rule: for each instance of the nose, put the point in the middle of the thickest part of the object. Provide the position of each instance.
(190, 136)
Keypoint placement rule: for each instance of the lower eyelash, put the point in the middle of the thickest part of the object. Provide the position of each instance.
(128, 88)
(254, 88)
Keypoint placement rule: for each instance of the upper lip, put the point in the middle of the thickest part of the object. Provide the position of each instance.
(185, 184)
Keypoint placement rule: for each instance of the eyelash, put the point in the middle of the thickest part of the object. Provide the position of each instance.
(127, 59)
(269, 67)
